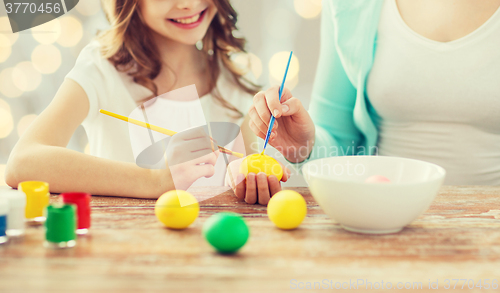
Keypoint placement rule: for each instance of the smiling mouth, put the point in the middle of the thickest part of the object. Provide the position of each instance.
(189, 20)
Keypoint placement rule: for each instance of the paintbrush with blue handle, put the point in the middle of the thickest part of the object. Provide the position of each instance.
(271, 122)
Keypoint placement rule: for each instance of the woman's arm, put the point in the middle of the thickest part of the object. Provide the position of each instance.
(328, 128)
(41, 154)
(333, 98)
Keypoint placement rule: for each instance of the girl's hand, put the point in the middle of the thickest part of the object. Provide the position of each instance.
(293, 130)
(256, 188)
(191, 155)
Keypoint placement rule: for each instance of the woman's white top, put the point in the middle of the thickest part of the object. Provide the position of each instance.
(439, 102)
(115, 91)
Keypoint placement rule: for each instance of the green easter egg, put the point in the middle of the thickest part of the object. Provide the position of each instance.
(226, 232)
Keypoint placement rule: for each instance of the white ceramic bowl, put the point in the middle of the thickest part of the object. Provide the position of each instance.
(338, 185)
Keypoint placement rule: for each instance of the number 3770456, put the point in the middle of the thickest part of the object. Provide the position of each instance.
(33, 8)
(469, 283)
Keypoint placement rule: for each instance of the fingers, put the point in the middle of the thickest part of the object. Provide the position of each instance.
(259, 122)
(199, 144)
(251, 189)
(286, 172)
(259, 127)
(261, 109)
(216, 154)
(256, 130)
(273, 100)
(266, 102)
(235, 179)
(291, 107)
(192, 146)
(201, 150)
(274, 185)
(258, 188)
(193, 133)
(203, 170)
(240, 189)
(262, 188)
(204, 157)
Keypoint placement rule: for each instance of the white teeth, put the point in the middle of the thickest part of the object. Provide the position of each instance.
(188, 20)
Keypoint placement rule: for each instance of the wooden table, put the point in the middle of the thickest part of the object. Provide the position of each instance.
(128, 250)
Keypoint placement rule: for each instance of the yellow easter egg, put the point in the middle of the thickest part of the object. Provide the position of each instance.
(287, 209)
(177, 209)
(261, 163)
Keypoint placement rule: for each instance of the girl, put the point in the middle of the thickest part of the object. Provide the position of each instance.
(149, 49)
(409, 78)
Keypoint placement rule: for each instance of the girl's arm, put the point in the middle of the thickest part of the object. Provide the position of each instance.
(41, 155)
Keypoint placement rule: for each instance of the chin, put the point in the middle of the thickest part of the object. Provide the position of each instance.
(185, 40)
(191, 40)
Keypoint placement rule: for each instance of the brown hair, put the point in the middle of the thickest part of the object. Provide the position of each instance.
(128, 45)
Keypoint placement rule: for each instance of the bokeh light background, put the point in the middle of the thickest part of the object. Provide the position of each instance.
(33, 63)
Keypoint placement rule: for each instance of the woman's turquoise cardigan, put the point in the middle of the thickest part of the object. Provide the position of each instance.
(344, 119)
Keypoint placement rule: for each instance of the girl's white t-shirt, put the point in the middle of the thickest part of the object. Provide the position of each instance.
(115, 91)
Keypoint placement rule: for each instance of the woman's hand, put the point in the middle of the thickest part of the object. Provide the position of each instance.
(256, 188)
(191, 155)
(293, 130)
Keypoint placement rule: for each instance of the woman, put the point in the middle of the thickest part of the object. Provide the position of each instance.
(409, 78)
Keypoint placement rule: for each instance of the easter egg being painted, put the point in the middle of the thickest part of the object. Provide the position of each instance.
(226, 232)
(261, 163)
(377, 179)
(177, 209)
(287, 209)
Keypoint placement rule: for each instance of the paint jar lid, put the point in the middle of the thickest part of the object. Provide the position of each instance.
(80, 199)
(82, 202)
(4, 206)
(34, 188)
(17, 199)
(61, 223)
